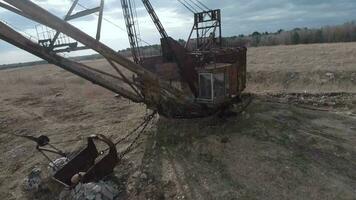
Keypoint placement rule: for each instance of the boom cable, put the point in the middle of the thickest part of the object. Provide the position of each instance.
(199, 7)
(185, 6)
(28, 35)
(203, 5)
(190, 6)
(194, 5)
(114, 24)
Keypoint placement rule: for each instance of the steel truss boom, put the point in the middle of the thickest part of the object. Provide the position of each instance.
(155, 18)
(42, 16)
(146, 88)
(105, 80)
(131, 29)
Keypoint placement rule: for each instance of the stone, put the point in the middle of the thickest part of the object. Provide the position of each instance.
(98, 197)
(90, 196)
(330, 75)
(102, 190)
(349, 113)
(136, 174)
(64, 195)
(143, 176)
(59, 94)
(33, 181)
(130, 187)
(97, 188)
(107, 194)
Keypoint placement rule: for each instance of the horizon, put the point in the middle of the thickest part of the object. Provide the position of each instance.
(251, 16)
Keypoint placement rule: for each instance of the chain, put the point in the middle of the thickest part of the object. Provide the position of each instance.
(143, 125)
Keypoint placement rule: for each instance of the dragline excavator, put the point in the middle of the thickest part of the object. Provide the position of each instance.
(196, 79)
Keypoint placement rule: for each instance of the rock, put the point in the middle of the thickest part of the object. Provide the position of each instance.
(136, 174)
(59, 94)
(98, 197)
(130, 187)
(16, 152)
(108, 192)
(224, 140)
(97, 188)
(64, 195)
(349, 113)
(330, 75)
(33, 180)
(353, 77)
(143, 176)
(323, 81)
(102, 190)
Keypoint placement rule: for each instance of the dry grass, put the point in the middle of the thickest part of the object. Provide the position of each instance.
(298, 58)
(302, 68)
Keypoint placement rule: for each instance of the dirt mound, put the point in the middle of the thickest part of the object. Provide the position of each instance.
(272, 151)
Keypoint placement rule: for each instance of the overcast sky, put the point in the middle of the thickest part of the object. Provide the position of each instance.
(239, 17)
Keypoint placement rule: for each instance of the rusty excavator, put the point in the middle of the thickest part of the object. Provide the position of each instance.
(196, 79)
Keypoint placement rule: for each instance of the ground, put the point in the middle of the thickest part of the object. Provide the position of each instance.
(296, 140)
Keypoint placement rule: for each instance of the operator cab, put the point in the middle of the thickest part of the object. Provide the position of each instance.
(213, 83)
(220, 82)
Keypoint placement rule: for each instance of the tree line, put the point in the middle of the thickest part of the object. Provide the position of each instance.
(328, 34)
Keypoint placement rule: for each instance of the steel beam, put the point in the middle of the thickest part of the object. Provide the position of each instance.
(70, 49)
(14, 10)
(155, 18)
(109, 82)
(83, 13)
(100, 20)
(70, 11)
(42, 16)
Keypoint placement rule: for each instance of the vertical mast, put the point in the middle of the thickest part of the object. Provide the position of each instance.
(155, 18)
(131, 30)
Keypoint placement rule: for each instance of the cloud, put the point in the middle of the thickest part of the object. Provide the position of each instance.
(239, 16)
(16, 56)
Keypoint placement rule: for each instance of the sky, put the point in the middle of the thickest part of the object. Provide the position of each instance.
(239, 17)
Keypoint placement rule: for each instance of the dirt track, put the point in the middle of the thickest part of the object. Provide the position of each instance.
(281, 147)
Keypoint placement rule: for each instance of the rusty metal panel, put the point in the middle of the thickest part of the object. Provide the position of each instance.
(168, 71)
(233, 80)
(85, 163)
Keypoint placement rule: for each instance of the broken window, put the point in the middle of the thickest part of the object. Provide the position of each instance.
(205, 86)
(219, 85)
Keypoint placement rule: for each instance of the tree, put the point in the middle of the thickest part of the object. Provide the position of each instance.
(319, 38)
(256, 38)
(295, 38)
(280, 31)
(181, 41)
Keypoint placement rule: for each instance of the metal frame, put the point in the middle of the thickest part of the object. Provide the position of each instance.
(155, 18)
(145, 88)
(156, 94)
(207, 25)
(57, 45)
(132, 29)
